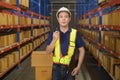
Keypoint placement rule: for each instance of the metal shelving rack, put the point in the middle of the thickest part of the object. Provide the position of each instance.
(98, 11)
(85, 6)
(34, 11)
(101, 27)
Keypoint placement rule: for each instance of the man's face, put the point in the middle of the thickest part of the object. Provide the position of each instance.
(63, 19)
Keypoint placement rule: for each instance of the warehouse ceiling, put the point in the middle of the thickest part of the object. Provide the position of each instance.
(84, 7)
(56, 4)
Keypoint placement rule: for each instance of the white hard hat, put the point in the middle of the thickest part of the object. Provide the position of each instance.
(63, 9)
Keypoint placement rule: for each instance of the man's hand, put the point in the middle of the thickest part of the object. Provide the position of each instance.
(56, 35)
(51, 46)
(75, 71)
(80, 60)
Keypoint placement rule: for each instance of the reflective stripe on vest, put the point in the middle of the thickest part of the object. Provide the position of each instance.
(58, 58)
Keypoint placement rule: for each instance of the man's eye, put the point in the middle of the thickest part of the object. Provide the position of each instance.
(65, 16)
(60, 16)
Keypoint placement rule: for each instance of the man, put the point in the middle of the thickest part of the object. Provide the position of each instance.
(62, 44)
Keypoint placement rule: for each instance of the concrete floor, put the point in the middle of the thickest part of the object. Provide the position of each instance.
(88, 71)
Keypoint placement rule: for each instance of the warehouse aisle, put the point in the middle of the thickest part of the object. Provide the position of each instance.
(24, 25)
(96, 72)
(24, 71)
(88, 69)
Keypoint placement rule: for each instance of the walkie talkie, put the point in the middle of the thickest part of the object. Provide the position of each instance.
(56, 29)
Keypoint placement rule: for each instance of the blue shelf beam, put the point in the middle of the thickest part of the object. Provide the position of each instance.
(84, 6)
(40, 7)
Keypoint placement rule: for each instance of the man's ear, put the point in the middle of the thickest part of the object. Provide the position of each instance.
(70, 19)
(57, 19)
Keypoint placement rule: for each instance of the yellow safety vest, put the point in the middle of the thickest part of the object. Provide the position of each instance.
(57, 57)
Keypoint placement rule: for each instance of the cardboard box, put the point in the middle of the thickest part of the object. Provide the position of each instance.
(0, 19)
(4, 19)
(1, 65)
(21, 52)
(5, 66)
(15, 56)
(117, 72)
(99, 1)
(3, 41)
(112, 65)
(27, 3)
(43, 65)
(103, 2)
(13, 2)
(10, 60)
(41, 58)
(43, 73)
(118, 45)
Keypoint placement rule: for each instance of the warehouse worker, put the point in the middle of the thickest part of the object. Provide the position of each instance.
(62, 44)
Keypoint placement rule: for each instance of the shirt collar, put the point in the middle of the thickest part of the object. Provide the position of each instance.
(69, 30)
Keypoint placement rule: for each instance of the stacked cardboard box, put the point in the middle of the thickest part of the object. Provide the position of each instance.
(24, 3)
(36, 32)
(10, 60)
(43, 65)
(108, 38)
(22, 20)
(95, 20)
(42, 22)
(105, 19)
(37, 42)
(24, 50)
(3, 18)
(99, 1)
(42, 38)
(7, 61)
(3, 64)
(6, 40)
(117, 72)
(12, 2)
(35, 21)
(84, 21)
(103, 2)
(15, 19)
(113, 63)
(118, 45)
(105, 61)
(47, 22)
(46, 36)
(15, 56)
(25, 34)
(8, 19)
(86, 43)
(11, 38)
(3, 40)
(28, 21)
(42, 30)
(111, 19)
